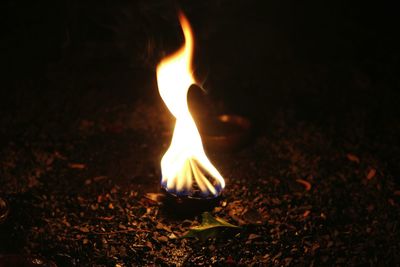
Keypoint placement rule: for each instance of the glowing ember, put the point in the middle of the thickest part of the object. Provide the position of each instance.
(186, 170)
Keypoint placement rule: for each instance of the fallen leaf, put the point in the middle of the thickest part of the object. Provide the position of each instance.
(83, 229)
(99, 178)
(306, 213)
(371, 174)
(253, 236)
(79, 166)
(209, 227)
(172, 236)
(161, 226)
(306, 184)
(353, 158)
(109, 218)
(235, 211)
(162, 238)
(149, 245)
(155, 198)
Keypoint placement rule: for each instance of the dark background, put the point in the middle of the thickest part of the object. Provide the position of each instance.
(311, 57)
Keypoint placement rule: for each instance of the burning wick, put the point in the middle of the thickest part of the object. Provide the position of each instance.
(186, 170)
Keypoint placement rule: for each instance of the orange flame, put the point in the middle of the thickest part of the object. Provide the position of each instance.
(185, 166)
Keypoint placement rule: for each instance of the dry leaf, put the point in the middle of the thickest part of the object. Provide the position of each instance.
(371, 174)
(306, 184)
(353, 158)
(79, 166)
(209, 227)
(253, 236)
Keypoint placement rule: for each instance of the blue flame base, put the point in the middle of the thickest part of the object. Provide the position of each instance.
(194, 194)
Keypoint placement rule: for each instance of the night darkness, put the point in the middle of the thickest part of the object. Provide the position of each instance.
(315, 182)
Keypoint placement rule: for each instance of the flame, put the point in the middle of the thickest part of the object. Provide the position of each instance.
(186, 170)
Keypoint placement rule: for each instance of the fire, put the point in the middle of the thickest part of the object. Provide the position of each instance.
(186, 170)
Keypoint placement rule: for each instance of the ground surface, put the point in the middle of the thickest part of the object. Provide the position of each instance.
(81, 201)
(84, 131)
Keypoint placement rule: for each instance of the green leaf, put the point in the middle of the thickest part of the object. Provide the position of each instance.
(209, 227)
